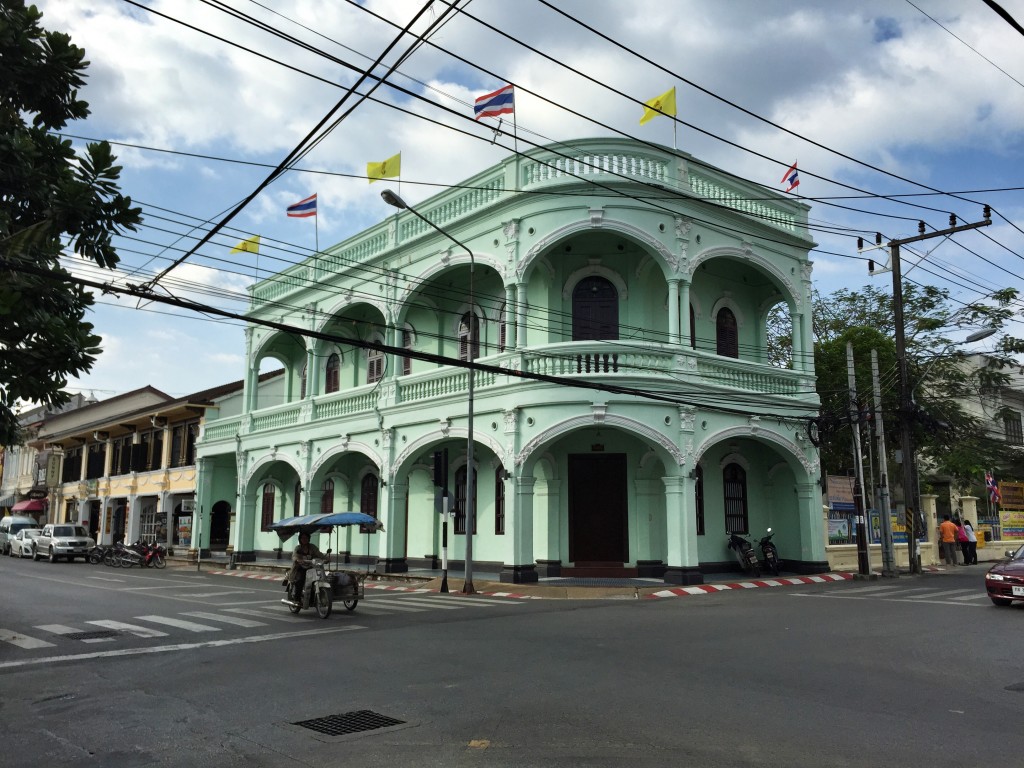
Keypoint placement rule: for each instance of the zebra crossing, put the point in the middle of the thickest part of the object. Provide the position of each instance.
(150, 626)
(970, 596)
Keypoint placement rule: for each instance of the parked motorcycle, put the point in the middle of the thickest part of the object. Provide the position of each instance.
(770, 553)
(745, 553)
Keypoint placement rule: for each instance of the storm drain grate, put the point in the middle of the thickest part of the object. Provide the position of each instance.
(101, 634)
(349, 722)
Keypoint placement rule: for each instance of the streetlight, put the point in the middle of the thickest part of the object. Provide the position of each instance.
(467, 588)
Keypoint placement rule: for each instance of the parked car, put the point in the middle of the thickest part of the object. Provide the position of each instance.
(1004, 581)
(9, 527)
(21, 544)
(62, 540)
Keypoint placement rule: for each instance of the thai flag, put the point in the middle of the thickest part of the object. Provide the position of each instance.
(501, 102)
(303, 208)
(792, 178)
(993, 489)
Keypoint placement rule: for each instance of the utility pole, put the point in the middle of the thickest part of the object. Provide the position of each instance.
(863, 559)
(888, 550)
(914, 519)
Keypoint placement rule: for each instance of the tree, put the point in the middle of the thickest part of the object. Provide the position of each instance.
(949, 440)
(51, 200)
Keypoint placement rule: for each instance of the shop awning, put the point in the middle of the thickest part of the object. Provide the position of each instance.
(30, 505)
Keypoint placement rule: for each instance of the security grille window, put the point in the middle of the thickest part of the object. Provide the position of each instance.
(502, 329)
(302, 384)
(698, 490)
(464, 338)
(368, 490)
(121, 463)
(374, 365)
(331, 374)
(72, 469)
(693, 329)
(407, 339)
(267, 513)
(297, 500)
(460, 500)
(499, 501)
(94, 461)
(327, 498)
(149, 524)
(734, 483)
(727, 335)
(1013, 429)
(183, 443)
(595, 310)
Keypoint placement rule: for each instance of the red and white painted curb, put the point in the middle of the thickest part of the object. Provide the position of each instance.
(704, 589)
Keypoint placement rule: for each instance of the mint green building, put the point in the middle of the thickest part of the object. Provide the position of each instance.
(637, 272)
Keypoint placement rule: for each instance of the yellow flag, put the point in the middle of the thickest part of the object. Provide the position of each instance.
(664, 104)
(251, 245)
(389, 169)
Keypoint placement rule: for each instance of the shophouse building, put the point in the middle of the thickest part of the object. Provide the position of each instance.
(614, 298)
(127, 465)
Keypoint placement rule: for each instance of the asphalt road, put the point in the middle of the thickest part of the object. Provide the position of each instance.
(919, 672)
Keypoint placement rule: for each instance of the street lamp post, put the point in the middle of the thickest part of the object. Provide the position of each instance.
(467, 588)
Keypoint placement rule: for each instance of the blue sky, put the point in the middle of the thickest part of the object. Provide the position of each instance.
(932, 92)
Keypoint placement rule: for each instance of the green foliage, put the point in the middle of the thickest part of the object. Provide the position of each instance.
(51, 200)
(949, 440)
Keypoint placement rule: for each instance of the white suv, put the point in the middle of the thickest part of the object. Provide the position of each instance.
(62, 540)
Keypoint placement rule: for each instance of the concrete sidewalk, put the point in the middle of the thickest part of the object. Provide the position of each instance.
(488, 583)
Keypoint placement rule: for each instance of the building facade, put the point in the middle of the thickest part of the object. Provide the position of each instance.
(625, 413)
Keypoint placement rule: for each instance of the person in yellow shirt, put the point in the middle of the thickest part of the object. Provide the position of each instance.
(947, 537)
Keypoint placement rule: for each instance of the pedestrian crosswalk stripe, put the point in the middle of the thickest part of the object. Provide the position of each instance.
(391, 605)
(132, 629)
(864, 590)
(944, 593)
(976, 596)
(22, 641)
(432, 602)
(270, 613)
(480, 600)
(191, 626)
(238, 621)
(56, 629)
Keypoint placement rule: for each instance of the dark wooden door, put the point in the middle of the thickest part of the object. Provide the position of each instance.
(597, 508)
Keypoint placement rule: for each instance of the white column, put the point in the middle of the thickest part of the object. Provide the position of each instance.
(521, 332)
(673, 311)
(684, 309)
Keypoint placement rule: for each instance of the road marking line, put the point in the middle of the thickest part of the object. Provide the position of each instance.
(238, 621)
(481, 600)
(133, 629)
(865, 590)
(104, 578)
(57, 629)
(262, 614)
(22, 641)
(191, 626)
(977, 596)
(176, 647)
(216, 594)
(945, 593)
(432, 603)
(386, 606)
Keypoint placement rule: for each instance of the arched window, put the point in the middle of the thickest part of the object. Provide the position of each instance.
(297, 503)
(407, 342)
(693, 329)
(302, 383)
(502, 329)
(595, 310)
(332, 374)
(460, 499)
(368, 498)
(734, 489)
(374, 365)
(728, 341)
(327, 498)
(499, 501)
(698, 490)
(267, 510)
(464, 338)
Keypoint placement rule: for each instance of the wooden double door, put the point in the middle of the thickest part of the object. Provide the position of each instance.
(598, 513)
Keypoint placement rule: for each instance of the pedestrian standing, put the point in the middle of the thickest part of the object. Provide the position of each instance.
(947, 538)
(971, 553)
(962, 541)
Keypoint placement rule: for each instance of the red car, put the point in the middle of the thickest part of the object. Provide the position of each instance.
(1005, 580)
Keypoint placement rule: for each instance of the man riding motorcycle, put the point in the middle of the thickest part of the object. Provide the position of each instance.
(302, 560)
